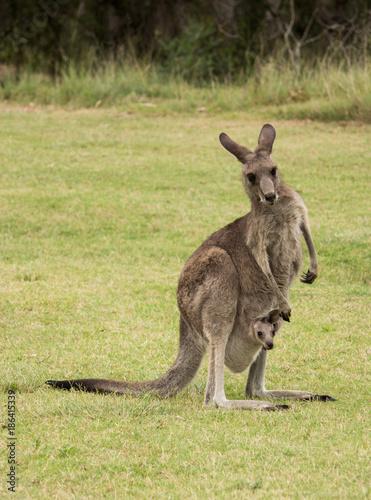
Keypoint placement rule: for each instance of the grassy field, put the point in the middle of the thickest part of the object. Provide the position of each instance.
(99, 211)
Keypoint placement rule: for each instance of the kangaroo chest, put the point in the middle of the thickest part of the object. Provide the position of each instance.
(279, 235)
(285, 255)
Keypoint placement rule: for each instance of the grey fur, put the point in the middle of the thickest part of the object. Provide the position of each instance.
(235, 285)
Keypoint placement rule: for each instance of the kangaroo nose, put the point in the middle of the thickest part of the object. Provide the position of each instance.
(269, 345)
(270, 198)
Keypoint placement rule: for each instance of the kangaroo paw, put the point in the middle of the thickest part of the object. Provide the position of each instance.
(286, 316)
(308, 277)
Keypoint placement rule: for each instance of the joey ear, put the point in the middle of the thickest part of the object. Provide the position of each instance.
(240, 152)
(266, 139)
(273, 316)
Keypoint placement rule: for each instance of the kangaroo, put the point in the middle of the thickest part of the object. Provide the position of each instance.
(235, 285)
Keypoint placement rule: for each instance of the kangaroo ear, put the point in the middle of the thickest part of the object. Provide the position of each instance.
(273, 316)
(266, 139)
(240, 152)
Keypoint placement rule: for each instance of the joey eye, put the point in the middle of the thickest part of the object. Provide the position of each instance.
(274, 171)
(274, 325)
(260, 334)
(251, 178)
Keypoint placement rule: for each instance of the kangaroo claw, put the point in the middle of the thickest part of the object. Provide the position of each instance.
(322, 397)
(286, 316)
(308, 277)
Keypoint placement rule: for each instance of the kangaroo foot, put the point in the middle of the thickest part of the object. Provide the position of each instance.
(249, 405)
(298, 395)
(319, 397)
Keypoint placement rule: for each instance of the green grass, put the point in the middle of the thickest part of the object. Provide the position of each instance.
(99, 211)
(321, 91)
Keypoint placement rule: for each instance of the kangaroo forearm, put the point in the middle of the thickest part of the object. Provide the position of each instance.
(310, 245)
(262, 261)
(279, 295)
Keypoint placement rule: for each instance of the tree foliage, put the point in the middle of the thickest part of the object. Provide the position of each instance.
(199, 39)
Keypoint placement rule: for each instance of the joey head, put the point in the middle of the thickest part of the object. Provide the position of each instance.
(264, 330)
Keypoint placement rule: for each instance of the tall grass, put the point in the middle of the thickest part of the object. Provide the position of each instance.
(320, 91)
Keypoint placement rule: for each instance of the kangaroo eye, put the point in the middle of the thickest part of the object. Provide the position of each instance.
(273, 171)
(274, 325)
(251, 178)
(260, 334)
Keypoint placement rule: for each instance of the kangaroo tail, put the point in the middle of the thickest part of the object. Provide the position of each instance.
(180, 374)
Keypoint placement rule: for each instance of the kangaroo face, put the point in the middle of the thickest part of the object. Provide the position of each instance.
(261, 179)
(264, 334)
(265, 329)
(259, 172)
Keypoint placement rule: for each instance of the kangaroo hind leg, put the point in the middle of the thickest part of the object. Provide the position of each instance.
(255, 386)
(216, 314)
(217, 352)
(218, 333)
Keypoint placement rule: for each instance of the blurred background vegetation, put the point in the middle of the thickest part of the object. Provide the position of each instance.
(85, 51)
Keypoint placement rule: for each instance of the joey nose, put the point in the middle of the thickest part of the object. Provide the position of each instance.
(270, 198)
(269, 346)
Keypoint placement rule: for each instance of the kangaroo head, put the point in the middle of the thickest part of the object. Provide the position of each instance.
(259, 172)
(265, 328)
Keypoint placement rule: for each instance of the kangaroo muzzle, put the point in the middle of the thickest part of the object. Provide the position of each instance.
(268, 194)
(268, 346)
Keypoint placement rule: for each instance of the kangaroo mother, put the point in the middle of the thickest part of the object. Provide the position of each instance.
(236, 284)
